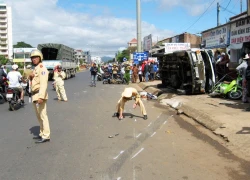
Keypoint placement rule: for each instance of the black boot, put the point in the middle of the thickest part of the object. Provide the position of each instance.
(145, 117)
(116, 114)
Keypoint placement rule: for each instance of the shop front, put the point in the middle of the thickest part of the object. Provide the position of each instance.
(239, 38)
(216, 38)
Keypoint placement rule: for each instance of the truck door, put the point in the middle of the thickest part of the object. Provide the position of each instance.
(209, 69)
(199, 70)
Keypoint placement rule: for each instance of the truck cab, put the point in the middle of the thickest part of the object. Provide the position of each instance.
(188, 71)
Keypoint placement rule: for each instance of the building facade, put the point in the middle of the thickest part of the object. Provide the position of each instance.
(82, 55)
(6, 41)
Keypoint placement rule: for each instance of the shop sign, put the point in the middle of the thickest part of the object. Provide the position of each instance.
(240, 31)
(171, 47)
(216, 37)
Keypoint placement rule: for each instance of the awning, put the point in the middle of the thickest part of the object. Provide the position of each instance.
(235, 46)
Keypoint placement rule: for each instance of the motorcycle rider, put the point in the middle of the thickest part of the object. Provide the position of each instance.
(14, 78)
(26, 73)
(2, 76)
(129, 94)
(242, 67)
(59, 77)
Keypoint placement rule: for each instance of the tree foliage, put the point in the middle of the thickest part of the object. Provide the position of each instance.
(125, 53)
(3, 59)
(22, 45)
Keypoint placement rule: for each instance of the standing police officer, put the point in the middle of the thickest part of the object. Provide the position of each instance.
(59, 76)
(39, 93)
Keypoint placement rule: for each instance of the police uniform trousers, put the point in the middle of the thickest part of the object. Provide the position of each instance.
(41, 113)
(122, 101)
(244, 91)
(60, 90)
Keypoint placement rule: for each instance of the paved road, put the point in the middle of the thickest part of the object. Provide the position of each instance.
(163, 147)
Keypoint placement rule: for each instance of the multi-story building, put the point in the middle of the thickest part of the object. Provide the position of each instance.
(6, 44)
(96, 59)
(82, 55)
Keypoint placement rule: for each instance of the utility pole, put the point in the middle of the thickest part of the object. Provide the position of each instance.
(248, 7)
(218, 14)
(138, 12)
(240, 6)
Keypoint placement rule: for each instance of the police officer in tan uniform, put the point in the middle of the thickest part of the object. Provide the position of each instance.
(39, 83)
(59, 76)
(129, 94)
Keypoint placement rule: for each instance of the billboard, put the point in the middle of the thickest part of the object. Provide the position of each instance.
(147, 42)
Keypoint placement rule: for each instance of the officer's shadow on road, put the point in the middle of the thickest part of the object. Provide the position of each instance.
(35, 130)
(131, 115)
(245, 130)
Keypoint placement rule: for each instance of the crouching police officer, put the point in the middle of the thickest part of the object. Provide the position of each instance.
(127, 95)
(39, 84)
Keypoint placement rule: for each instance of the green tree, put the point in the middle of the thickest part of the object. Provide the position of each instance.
(81, 61)
(22, 45)
(3, 60)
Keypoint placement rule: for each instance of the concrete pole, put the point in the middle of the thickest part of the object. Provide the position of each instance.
(138, 13)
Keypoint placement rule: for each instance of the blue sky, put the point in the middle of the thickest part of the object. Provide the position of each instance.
(104, 26)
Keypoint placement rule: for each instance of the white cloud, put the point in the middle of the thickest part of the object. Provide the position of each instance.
(42, 21)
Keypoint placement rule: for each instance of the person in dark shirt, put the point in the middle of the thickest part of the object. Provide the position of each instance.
(93, 71)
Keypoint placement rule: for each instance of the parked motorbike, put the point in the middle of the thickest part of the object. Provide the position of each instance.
(13, 97)
(231, 90)
(157, 76)
(99, 76)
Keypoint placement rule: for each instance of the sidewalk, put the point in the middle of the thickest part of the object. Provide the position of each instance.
(224, 117)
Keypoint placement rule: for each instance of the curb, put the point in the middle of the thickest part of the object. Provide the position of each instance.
(200, 117)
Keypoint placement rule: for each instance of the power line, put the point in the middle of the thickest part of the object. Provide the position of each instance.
(200, 15)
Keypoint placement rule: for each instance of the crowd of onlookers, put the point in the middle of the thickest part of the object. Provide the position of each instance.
(141, 72)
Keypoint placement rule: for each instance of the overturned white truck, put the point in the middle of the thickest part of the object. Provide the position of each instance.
(55, 54)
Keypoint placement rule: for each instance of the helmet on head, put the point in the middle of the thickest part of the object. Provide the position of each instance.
(15, 66)
(36, 53)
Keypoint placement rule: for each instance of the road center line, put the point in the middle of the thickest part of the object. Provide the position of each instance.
(138, 135)
(153, 134)
(149, 124)
(159, 115)
(137, 153)
(165, 122)
(118, 155)
(118, 178)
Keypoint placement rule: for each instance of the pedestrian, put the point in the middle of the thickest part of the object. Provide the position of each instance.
(140, 73)
(115, 71)
(127, 95)
(39, 85)
(222, 65)
(93, 71)
(151, 71)
(134, 74)
(242, 69)
(146, 70)
(143, 71)
(59, 77)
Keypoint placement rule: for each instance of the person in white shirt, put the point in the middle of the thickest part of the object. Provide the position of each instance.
(14, 78)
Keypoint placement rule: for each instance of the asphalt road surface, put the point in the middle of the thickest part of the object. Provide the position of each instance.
(88, 143)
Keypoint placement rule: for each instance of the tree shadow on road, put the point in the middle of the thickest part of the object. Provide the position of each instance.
(35, 130)
(245, 130)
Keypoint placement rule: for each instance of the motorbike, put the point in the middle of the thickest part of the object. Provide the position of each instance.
(231, 90)
(157, 76)
(13, 97)
(99, 76)
(3, 88)
(54, 85)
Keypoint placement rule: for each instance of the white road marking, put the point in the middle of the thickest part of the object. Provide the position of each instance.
(137, 153)
(135, 120)
(153, 134)
(118, 155)
(149, 124)
(84, 91)
(138, 135)
(102, 89)
(118, 178)
(159, 115)
(165, 122)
